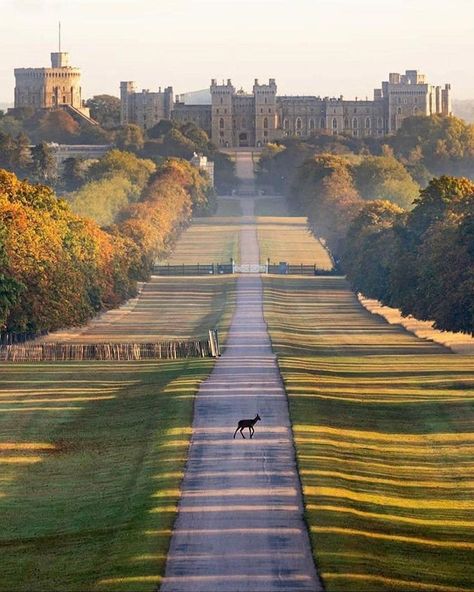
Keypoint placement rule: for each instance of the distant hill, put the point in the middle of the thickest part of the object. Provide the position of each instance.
(464, 109)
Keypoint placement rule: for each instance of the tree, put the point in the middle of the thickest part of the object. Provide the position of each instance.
(446, 143)
(57, 126)
(43, 163)
(22, 154)
(105, 109)
(371, 248)
(442, 195)
(74, 173)
(385, 178)
(163, 127)
(130, 137)
(137, 170)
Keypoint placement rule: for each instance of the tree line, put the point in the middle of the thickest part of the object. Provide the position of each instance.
(28, 127)
(59, 269)
(410, 247)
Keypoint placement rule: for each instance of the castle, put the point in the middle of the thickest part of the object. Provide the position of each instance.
(58, 87)
(233, 118)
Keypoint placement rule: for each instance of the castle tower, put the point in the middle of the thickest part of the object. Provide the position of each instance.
(50, 88)
(127, 90)
(222, 113)
(265, 112)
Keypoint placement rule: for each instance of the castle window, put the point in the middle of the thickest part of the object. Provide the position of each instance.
(379, 122)
(346, 123)
(334, 123)
(266, 101)
(298, 123)
(354, 124)
(322, 123)
(367, 123)
(311, 124)
(265, 123)
(265, 133)
(415, 111)
(270, 110)
(399, 110)
(217, 111)
(221, 123)
(286, 124)
(222, 101)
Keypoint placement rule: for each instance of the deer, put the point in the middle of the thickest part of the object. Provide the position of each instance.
(247, 423)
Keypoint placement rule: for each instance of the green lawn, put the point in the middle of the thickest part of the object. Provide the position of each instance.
(229, 207)
(289, 239)
(271, 206)
(169, 308)
(208, 240)
(92, 455)
(384, 434)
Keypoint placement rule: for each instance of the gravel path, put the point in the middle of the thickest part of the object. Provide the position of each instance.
(240, 521)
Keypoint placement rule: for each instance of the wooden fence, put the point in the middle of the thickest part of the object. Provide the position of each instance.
(61, 352)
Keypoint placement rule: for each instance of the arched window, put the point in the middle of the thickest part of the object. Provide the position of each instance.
(221, 123)
(311, 124)
(322, 123)
(298, 123)
(286, 124)
(346, 123)
(380, 122)
(265, 122)
(334, 123)
(222, 101)
(367, 123)
(399, 110)
(354, 123)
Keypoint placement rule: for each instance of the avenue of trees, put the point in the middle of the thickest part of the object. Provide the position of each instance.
(408, 245)
(59, 269)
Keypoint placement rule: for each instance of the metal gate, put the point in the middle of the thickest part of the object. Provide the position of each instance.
(250, 268)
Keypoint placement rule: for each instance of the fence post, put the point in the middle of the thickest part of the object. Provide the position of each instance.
(232, 264)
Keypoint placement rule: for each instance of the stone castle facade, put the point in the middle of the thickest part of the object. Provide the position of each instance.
(50, 88)
(233, 118)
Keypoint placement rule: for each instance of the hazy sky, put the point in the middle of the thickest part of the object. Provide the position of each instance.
(322, 47)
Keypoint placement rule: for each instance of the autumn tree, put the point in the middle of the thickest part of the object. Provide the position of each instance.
(105, 109)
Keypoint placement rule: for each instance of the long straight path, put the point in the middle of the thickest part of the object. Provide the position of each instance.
(240, 521)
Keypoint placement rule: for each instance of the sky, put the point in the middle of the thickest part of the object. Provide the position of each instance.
(317, 47)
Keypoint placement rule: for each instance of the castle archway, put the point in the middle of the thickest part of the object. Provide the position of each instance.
(243, 140)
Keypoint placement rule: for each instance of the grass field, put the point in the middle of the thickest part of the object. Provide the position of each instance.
(92, 456)
(271, 206)
(208, 240)
(229, 207)
(168, 308)
(384, 433)
(288, 239)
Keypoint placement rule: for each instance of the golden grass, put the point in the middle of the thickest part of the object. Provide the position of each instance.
(168, 308)
(289, 239)
(207, 240)
(384, 432)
